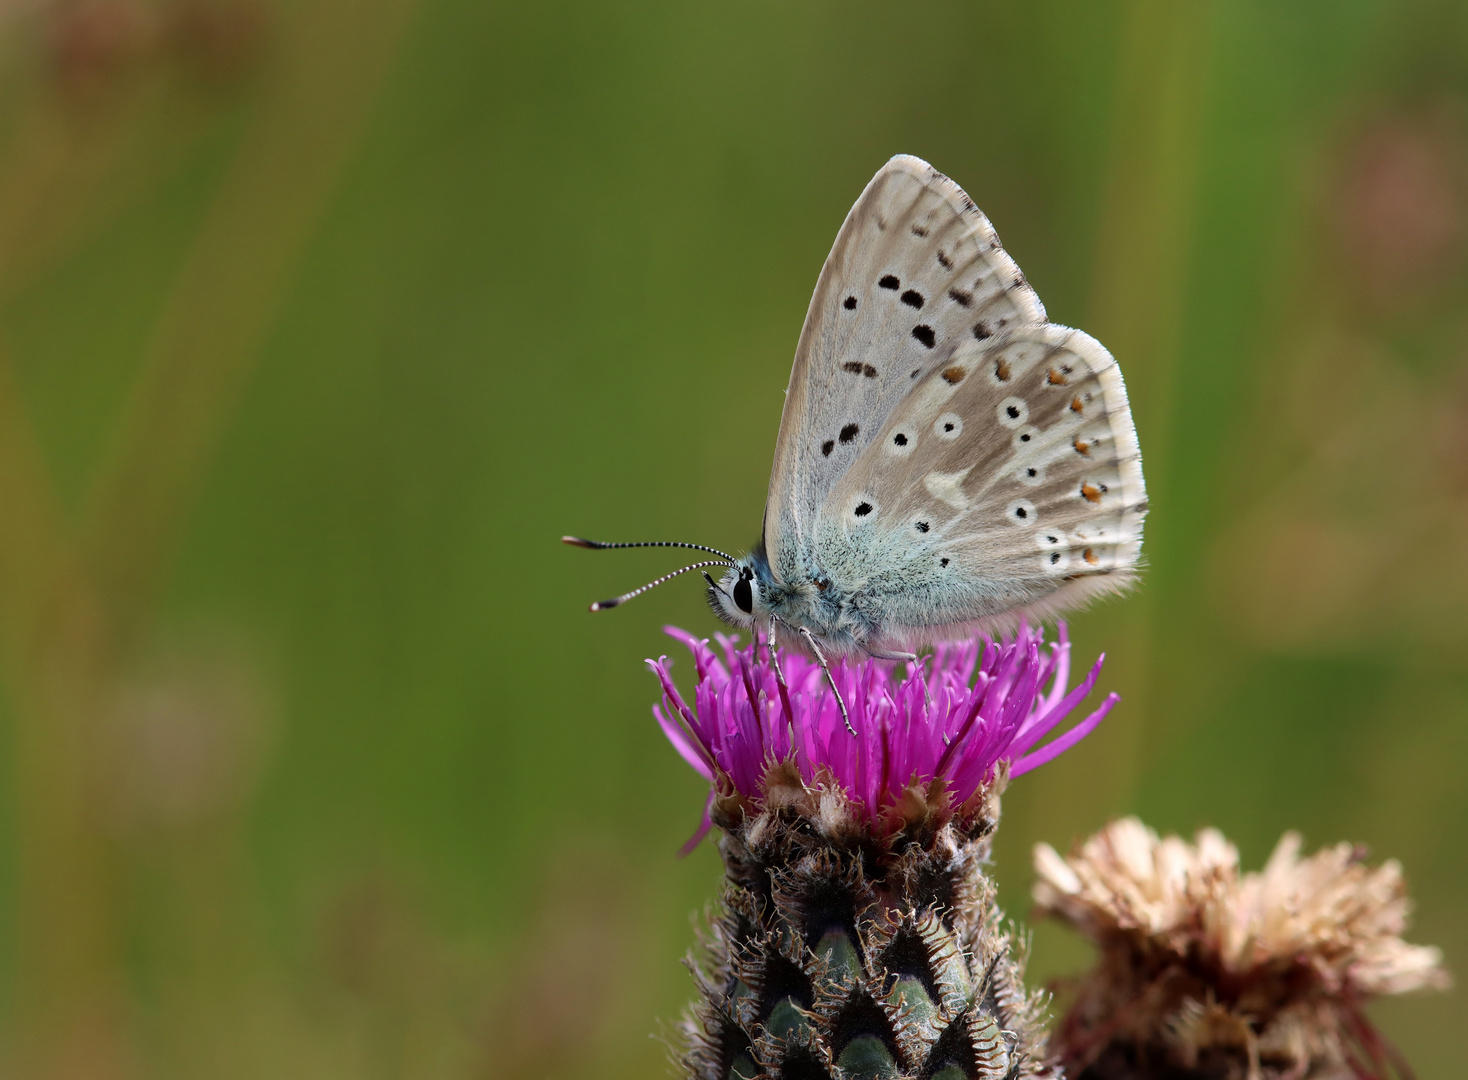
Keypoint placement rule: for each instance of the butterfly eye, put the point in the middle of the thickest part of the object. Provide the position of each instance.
(743, 596)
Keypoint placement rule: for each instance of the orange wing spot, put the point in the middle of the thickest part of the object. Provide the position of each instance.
(1091, 492)
(1001, 369)
(1083, 448)
(1090, 557)
(954, 375)
(1055, 378)
(1075, 405)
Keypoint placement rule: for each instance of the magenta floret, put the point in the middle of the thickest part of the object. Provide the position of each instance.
(987, 702)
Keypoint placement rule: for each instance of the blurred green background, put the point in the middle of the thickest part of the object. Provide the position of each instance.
(320, 322)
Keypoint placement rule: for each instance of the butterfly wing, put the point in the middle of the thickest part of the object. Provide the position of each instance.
(915, 271)
(1008, 481)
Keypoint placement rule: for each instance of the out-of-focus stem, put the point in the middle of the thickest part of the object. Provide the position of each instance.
(69, 611)
(56, 662)
(1136, 309)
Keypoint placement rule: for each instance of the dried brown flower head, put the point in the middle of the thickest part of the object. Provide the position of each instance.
(1225, 974)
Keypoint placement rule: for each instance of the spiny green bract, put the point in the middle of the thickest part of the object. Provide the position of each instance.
(841, 953)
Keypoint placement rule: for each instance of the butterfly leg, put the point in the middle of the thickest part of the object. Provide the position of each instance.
(882, 654)
(774, 657)
(810, 639)
(911, 658)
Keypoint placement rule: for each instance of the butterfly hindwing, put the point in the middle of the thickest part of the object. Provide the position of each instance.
(916, 272)
(1007, 480)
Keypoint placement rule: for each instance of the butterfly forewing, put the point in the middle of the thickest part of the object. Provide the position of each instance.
(1007, 480)
(916, 272)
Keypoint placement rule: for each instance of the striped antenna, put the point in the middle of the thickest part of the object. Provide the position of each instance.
(602, 545)
(603, 605)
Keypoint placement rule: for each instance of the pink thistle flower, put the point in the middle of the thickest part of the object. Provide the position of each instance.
(953, 721)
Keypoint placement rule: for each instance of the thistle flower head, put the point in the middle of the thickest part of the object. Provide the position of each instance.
(927, 740)
(1199, 959)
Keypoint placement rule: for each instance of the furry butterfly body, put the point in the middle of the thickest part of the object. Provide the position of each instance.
(948, 460)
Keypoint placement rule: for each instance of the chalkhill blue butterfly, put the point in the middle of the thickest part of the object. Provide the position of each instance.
(948, 462)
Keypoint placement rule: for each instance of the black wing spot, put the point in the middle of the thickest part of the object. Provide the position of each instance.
(1025, 437)
(848, 433)
(853, 366)
(862, 509)
(943, 562)
(1021, 512)
(1012, 412)
(1054, 557)
(900, 439)
(919, 230)
(980, 331)
(948, 426)
(849, 303)
(869, 371)
(944, 261)
(961, 298)
(915, 373)
(924, 333)
(1032, 472)
(827, 447)
(912, 298)
(922, 526)
(888, 281)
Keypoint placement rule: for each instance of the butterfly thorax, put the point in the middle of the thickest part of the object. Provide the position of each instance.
(751, 595)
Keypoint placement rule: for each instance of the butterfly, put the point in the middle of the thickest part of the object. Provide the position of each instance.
(948, 462)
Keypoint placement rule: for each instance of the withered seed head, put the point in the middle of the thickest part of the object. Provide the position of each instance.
(1257, 975)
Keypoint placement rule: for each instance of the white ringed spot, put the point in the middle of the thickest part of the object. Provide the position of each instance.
(1020, 512)
(901, 443)
(1055, 562)
(1013, 412)
(1027, 435)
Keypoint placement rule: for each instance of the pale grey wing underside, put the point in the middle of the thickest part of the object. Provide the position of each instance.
(915, 271)
(1008, 481)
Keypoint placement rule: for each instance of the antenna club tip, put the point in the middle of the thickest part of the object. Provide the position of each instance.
(604, 605)
(576, 541)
